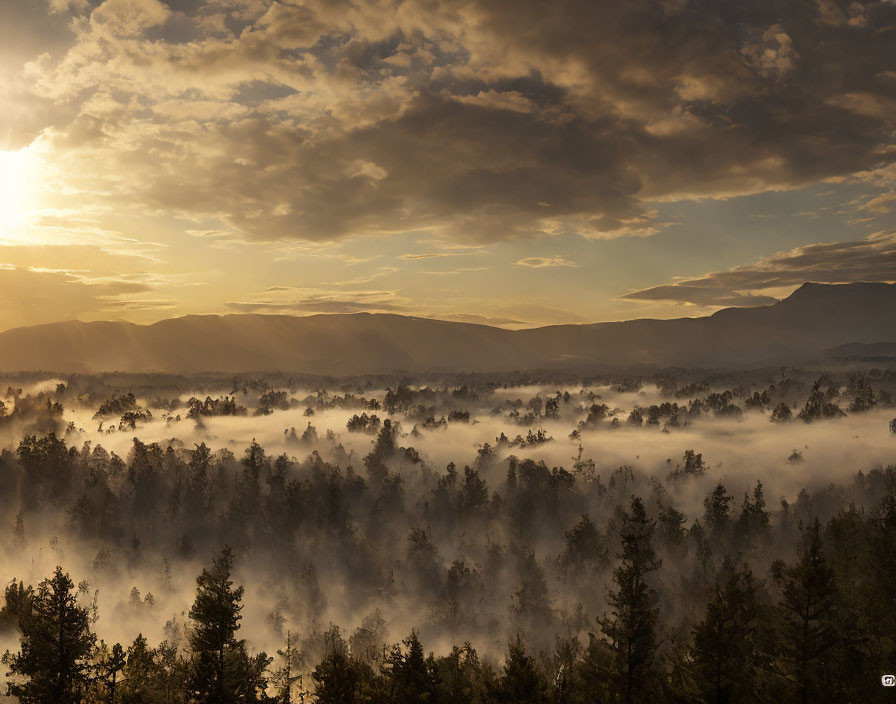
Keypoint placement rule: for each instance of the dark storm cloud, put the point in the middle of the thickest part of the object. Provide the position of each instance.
(477, 120)
(870, 259)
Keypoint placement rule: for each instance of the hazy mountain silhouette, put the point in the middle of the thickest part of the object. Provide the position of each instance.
(815, 318)
(859, 351)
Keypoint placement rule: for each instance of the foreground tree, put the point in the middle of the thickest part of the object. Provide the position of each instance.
(630, 631)
(222, 671)
(339, 678)
(726, 654)
(808, 610)
(522, 682)
(285, 678)
(54, 660)
(463, 679)
(410, 676)
(109, 663)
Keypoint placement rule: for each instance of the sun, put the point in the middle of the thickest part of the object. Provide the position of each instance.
(18, 187)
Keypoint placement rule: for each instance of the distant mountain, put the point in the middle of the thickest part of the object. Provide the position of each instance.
(800, 328)
(858, 351)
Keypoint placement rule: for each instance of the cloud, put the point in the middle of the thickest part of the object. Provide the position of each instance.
(131, 306)
(701, 295)
(128, 18)
(313, 305)
(75, 6)
(47, 283)
(434, 255)
(314, 250)
(881, 204)
(545, 262)
(498, 322)
(458, 271)
(470, 121)
(366, 279)
(290, 300)
(32, 296)
(93, 259)
(773, 56)
(870, 259)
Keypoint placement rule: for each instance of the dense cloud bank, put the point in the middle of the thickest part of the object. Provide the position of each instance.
(314, 120)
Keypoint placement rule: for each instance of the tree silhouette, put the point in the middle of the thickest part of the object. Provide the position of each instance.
(410, 676)
(222, 672)
(339, 677)
(56, 645)
(808, 606)
(630, 631)
(109, 664)
(726, 652)
(522, 682)
(17, 604)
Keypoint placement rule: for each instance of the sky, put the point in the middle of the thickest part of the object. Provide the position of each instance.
(511, 162)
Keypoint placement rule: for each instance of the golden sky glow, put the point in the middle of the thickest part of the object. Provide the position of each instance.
(471, 161)
(20, 180)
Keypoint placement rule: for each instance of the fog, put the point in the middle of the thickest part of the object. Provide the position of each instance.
(321, 539)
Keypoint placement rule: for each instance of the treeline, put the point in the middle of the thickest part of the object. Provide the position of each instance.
(803, 396)
(821, 630)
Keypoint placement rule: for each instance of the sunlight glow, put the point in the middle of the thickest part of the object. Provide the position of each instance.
(18, 186)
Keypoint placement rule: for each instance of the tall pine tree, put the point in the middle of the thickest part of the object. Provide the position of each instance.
(54, 660)
(808, 609)
(726, 654)
(630, 630)
(339, 678)
(222, 671)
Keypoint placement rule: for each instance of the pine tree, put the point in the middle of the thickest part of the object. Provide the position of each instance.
(725, 652)
(410, 676)
(222, 671)
(630, 631)
(671, 527)
(141, 682)
(463, 679)
(594, 670)
(109, 664)
(383, 448)
(56, 644)
(339, 678)
(753, 522)
(718, 510)
(17, 604)
(568, 686)
(808, 610)
(285, 679)
(522, 681)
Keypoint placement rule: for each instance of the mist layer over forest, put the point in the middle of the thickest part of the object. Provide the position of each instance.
(492, 511)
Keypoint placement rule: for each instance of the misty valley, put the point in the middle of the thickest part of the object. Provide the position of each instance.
(447, 352)
(679, 536)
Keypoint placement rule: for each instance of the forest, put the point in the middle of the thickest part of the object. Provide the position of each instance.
(683, 536)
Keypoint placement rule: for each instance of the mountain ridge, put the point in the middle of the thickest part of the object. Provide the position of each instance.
(796, 329)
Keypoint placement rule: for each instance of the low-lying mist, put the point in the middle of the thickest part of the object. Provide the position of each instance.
(451, 507)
